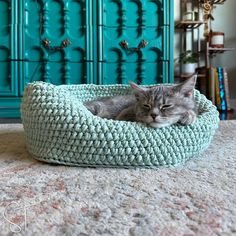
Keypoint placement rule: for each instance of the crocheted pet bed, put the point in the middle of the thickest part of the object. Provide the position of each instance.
(59, 129)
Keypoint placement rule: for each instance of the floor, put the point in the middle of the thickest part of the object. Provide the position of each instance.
(198, 198)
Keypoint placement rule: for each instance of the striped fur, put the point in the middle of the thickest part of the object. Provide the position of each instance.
(158, 106)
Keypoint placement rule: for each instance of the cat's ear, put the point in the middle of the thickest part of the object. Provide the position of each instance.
(138, 90)
(187, 87)
(136, 87)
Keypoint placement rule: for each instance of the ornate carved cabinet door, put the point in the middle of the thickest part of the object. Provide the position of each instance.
(56, 41)
(8, 47)
(135, 38)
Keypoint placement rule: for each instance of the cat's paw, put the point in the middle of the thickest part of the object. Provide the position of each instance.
(188, 118)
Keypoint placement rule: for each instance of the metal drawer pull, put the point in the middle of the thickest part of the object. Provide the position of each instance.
(46, 43)
(125, 45)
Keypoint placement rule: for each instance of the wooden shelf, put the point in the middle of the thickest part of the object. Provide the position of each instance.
(214, 1)
(188, 24)
(186, 76)
(219, 50)
(201, 75)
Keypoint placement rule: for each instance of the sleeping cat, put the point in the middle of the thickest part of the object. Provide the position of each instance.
(157, 106)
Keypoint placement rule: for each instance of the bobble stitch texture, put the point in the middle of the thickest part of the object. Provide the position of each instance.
(59, 129)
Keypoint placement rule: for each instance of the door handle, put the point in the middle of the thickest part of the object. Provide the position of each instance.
(125, 45)
(46, 43)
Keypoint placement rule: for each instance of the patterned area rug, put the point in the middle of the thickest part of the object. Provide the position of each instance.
(196, 199)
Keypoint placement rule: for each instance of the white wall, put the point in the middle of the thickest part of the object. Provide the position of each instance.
(225, 21)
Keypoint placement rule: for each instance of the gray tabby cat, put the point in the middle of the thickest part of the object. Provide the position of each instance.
(157, 106)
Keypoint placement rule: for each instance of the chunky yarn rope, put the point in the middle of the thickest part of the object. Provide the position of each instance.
(59, 129)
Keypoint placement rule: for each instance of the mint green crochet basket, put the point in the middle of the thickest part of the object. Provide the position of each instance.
(59, 129)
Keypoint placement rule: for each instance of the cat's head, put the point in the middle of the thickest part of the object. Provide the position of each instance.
(164, 105)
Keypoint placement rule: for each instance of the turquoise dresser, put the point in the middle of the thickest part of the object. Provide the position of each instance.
(83, 41)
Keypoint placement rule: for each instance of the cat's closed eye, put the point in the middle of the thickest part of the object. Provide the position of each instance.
(147, 106)
(166, 106)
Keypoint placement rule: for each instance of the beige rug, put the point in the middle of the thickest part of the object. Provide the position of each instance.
(40, 199)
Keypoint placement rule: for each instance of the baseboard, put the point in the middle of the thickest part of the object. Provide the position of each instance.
(10, 107)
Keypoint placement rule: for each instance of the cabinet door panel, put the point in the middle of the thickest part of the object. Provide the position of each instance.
(8, 46)
(8, 29)
(156, 49)
(56, 72)
(132, 13)
(56, 21)
(121, 73)
(8, 79)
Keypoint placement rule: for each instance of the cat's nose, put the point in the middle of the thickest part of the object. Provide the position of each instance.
(153, 115)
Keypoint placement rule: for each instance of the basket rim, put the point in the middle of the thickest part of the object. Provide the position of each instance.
(205, 118)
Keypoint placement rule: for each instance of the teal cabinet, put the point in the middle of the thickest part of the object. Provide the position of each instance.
(8, 49)
(82, 41)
